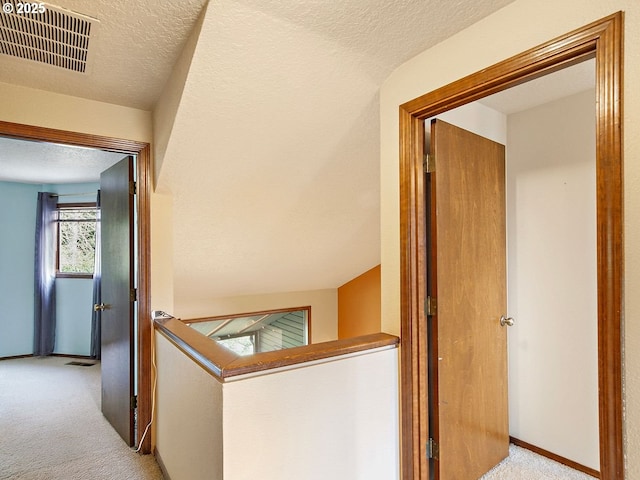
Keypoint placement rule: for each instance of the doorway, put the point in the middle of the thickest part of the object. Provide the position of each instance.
(601, 40)
(142, 151)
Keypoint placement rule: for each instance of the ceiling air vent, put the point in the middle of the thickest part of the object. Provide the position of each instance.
(47, 34)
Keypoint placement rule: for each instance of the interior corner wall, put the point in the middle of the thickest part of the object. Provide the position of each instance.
(551, 210)
(324, 308)
(17, 245)
(359, 305)
(73, 296)
(166, 109)
(519, 26)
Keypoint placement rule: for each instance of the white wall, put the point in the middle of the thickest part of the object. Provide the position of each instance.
(334, 420)
(517, 27)
(552, 272)
(477, 118)
(553, 354)
(331, 419)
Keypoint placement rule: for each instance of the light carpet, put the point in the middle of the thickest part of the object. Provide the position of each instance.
(523, 464)
(51, 426)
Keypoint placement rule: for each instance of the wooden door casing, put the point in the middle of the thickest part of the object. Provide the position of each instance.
(142, 150)
(602, 40)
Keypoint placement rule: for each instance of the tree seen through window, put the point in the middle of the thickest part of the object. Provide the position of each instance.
(76, 239)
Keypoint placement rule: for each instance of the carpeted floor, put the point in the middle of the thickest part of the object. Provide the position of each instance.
(51, 426)
(523, 464)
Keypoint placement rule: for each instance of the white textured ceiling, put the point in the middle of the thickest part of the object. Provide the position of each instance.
(560, 84)
(38, 162)
(136, 47)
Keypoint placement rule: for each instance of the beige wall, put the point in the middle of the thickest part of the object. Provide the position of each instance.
(53, 110)
(189, 419)
(161, 253)
(166, 109)
(551, 210)
(328, 419)
(516, 28)
(359, 305)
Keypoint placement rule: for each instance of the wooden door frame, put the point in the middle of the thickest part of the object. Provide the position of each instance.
(602, 40)
(142, 151)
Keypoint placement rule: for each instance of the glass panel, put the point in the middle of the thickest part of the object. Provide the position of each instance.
(257, 333)
(76, 240)
(241, 345)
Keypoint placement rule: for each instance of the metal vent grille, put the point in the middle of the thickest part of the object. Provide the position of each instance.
(52, 35)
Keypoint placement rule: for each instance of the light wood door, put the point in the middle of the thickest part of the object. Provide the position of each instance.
(117, 343)
(467, 276)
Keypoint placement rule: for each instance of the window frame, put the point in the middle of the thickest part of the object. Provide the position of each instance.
(70, 206)
(306, 309)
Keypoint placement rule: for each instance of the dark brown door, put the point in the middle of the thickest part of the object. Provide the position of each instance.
(467, 277)
(117, 354)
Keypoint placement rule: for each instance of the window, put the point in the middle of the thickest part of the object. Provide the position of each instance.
(76, 239)
(257, 332)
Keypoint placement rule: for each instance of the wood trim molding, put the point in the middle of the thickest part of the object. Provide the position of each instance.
(145, 324)
(45, 134)
(555, 458)
(15, 357)
(144, 171)
(602, 40)
(225, 364)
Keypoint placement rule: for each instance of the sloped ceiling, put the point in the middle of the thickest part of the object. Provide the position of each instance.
(273, 160)
(273, 155)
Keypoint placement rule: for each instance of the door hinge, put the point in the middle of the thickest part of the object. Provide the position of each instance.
(430, 306)
(432, 449)
(134, 402)
(132, 188)
(133, 295)
(429, 163)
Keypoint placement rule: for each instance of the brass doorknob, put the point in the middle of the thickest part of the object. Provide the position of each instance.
(508, 321)
(101, 307)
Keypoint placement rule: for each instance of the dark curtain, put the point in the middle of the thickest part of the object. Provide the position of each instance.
(44, 336)
(96, 316)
